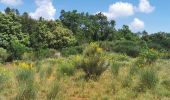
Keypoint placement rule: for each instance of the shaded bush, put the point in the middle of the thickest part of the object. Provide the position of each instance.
(93, 62)
(3, 55)
(72, 50)
(16, 50)
(128, 47)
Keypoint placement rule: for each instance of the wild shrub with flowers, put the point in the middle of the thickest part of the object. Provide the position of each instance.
(147, 57)
(24, 72)
(94, 62)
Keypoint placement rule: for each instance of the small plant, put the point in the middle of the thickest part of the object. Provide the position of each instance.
(3, 55)
(93, 62)
(148, 79)
(53, 91)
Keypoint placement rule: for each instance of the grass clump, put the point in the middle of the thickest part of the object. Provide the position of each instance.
(25, 77)
(93, 62)
(147, 80)
(53, 91)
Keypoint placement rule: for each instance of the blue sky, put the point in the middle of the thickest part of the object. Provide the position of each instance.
(150, 15)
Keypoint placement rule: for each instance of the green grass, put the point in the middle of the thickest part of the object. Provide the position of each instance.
(60, 79)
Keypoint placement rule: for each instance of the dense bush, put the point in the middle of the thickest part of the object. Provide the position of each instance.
(72, 50)
(127, 47)
(149, 56)
(46, 53)
(3, 55)
(93, 62)
(16, 50)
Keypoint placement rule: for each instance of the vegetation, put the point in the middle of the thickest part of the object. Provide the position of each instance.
(80, 57)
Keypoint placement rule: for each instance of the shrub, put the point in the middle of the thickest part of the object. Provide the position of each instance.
(93, 62)
(72, 50)
(16, 50)
(148, 79)
(128, 47)
(3, 55)
(46, 53)
(66, 68)
(150, 56)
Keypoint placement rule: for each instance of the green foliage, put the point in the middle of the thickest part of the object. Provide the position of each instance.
(130, 48)
(149, 56)
(10, 28)
(66, 68)
(148, 79)
(61, 37)
(93, 62)
(3, 55)
(25, 77)
(166, 84)
(72, 50)
(16, 49)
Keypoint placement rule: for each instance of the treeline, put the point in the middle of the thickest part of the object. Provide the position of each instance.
(19, 33)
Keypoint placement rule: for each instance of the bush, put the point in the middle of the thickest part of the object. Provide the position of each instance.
(93, 62)
(46, 53)
(128, 47)
(150, 56)
(16, 50)
(148, 79)
(72, 50)
(3, 55)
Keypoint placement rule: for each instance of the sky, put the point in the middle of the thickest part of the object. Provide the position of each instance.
(150, 15)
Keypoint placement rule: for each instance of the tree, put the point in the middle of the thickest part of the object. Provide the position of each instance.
(61, 37)
(10, 28)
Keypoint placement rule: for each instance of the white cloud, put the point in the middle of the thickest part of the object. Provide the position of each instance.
(11, 2)
(2, 12)
(119, 9)
(137, 25)
(44, 9)
(145, 6)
